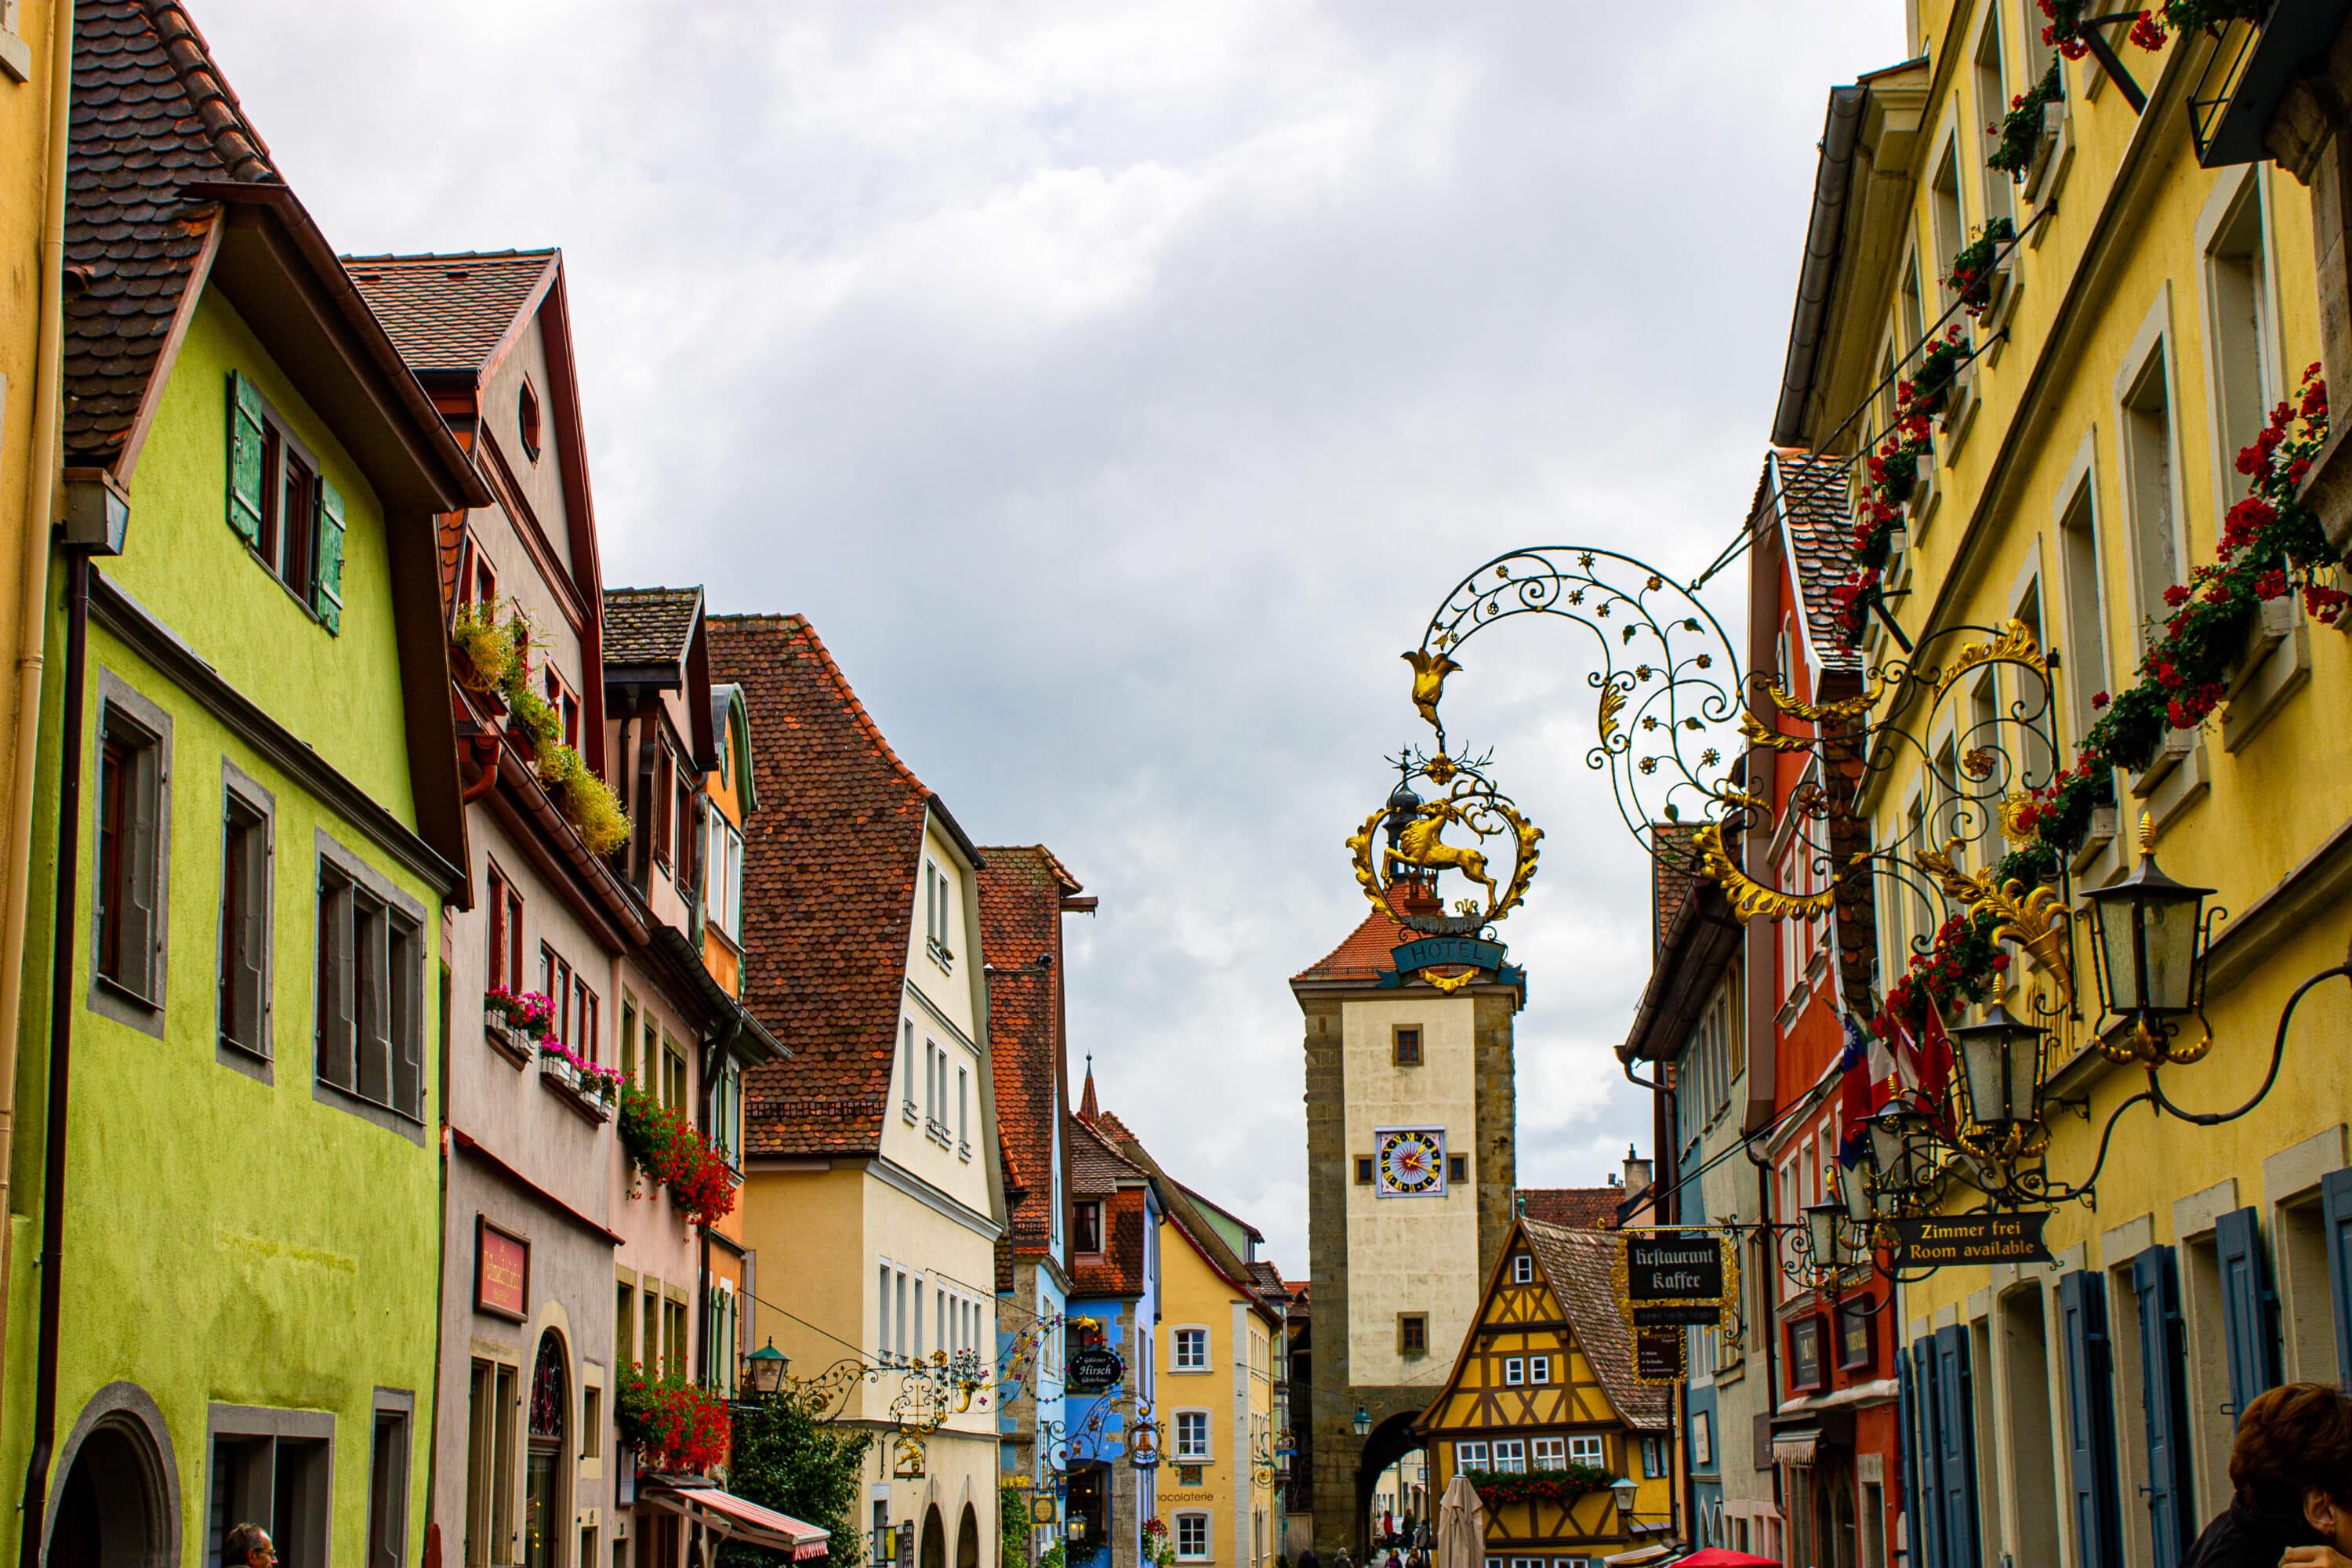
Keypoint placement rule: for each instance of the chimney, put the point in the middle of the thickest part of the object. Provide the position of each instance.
(1637, 1171)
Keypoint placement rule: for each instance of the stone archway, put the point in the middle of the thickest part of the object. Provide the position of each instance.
(1391, 1441)
(116, 1503)
(935, 1539)
(968, 1539)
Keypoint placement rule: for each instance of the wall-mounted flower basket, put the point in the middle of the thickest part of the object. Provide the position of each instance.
(668, 1151)
(483, 649)
(674, 1425)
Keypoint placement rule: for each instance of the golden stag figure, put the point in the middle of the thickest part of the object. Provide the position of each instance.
(1419, 845)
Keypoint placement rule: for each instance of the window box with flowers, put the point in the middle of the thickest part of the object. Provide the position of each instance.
(485, 650)
(590, 1092)
(1982, 270)
(515, 1022)
(668, 1150)
(586, 801)
(1560, 1486)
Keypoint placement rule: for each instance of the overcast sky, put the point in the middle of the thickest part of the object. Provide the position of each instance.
(1118, 387)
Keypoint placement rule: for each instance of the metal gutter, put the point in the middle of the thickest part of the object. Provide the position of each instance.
(1817, 279)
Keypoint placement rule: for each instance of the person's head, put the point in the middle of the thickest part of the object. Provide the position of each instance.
(248, 1546)
(2294, 1457)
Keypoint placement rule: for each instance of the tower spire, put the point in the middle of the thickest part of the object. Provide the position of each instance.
(1087, 1110)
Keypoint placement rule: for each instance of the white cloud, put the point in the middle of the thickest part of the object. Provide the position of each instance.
(1118, 387)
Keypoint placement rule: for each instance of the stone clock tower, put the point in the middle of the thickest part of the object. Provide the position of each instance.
(1411, 1163)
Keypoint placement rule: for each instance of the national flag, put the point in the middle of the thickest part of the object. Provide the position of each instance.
(1862, 1089)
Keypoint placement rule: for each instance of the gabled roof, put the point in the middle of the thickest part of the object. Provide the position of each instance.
(1813, 510)
(1021, 893)
(649, 625)
(150, 113)
(1674, 872)
(453, 311)
(1577, 1208)
(1096, 1169)
(1363, 954)
(1176, 1205)
(1578, 1264)
(1119, 1270)
(829, 874)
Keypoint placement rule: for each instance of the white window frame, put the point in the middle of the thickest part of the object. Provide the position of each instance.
(1548, 1453)
(1510, 1456)
(1198, 1516)
(1515, 1370)
(1206, 1452)
(1469, 1455)
(1523, 1268)
(1177, 1337)
(1538, 1371)
(1589, 1450)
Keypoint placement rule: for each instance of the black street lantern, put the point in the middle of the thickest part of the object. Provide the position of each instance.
(764, 1368)
(2147, 930)
(1854, 1192)
(1898, 1135)
(2000, 1067)
(1822, 1229)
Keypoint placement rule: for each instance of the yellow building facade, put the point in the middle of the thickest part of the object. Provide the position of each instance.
(1573, 1458)
(2148, 315)
(1214, 1347)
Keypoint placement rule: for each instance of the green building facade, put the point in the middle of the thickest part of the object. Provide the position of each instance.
(269, 824)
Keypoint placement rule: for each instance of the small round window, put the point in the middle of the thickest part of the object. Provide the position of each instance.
(526, 417)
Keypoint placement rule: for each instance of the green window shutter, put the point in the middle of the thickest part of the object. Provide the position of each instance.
(245, 451)
(327, 596)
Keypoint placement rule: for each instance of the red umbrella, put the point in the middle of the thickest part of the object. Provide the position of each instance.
(1721, 1557)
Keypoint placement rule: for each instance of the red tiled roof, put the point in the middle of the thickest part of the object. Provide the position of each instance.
(1808, 492)
(451, 311)
(1109, 1125)
(1021, 893)
(828, 889)
(1577, 1208)
(1364, 955)
(150, 114)
(1120, 1271)
(649, 625)
(1578, 1264)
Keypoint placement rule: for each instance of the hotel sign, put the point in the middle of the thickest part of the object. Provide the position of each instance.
(1932, 1241)
(501, 1273)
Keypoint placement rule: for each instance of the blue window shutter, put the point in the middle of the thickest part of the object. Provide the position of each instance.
(2164, 1395)
(2090, 1419)
(1907, 1407)
(2249, 1310)
(1956, 1437)
(2336, 1212)
(1926, 1469)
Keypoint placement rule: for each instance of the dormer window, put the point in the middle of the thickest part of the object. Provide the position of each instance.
(1089, 1237)
(527, 419)
(938, 894)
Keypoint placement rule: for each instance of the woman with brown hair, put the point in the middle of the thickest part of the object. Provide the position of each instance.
(2292, 1467)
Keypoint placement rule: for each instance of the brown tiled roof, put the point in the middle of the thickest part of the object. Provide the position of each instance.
(1021, 893)
(1578, 1208)
(1365, 953)
(1096, 1167)
(1810, 497)
(150, 114)
(1086, 1106)
(828, 889)
(651, 626)
(1109, 1125)
(1577, 1265)
(1674, 872)
(450, 312)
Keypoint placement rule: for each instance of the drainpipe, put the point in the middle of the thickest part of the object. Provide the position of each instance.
(62, 947)
(33, 611)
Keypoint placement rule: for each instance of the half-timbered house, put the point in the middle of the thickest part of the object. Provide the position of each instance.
(1543, 1411)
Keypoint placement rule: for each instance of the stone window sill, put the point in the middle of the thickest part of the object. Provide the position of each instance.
(2274, 667)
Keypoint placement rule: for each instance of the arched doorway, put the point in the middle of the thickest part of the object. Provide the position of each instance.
(546, 1513)
(1392, 1447)
(968, 1539)
(110, 1510)
(935, 1539)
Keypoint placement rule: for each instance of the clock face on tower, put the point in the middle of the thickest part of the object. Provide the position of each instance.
(1412, 1162)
